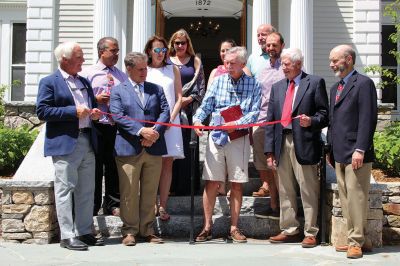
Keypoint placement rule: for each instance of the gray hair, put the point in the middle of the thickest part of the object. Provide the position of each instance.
(294, 54)
(240, 51)
(348, 50)
(132, 58)
(64, 50)
(102, 44)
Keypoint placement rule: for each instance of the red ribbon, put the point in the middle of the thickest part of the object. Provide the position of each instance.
(199, 127)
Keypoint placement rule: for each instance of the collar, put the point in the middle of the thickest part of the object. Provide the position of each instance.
(101, 66)
(277, 63)
(297, 79)
(134, 83)
(65, 75)
(346, 78)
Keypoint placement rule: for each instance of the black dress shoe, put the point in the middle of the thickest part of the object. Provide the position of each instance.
(91, 240)
(73, 244)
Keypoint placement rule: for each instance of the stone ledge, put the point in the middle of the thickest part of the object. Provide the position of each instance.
(374, 189)
(19, 184)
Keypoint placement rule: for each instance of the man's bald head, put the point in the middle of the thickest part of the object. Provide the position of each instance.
(342, 59)
(263, 31)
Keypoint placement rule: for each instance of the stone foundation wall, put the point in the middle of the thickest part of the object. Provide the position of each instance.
(337, 227)
(391, 211)
(18, 114)
(28, 212)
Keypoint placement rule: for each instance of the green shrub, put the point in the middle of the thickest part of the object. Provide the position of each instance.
(14, 145)
(387, 148)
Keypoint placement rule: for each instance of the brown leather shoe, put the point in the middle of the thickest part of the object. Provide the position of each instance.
(129, 240)
(204, 236)
(281, 238)
(354, 252)
(367, 247)
(154, 239)
(237, 236)
(262, 192)
(309, 242)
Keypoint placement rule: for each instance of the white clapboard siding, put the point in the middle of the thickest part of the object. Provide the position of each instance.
(333, 25)
(75, 23)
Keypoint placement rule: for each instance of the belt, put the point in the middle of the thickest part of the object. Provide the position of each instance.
(85, 130)
(286, 131)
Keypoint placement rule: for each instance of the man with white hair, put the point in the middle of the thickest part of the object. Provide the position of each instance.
(224, 157)
(67, 104)
(294, 146)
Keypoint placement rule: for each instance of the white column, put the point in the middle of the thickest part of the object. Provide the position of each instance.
(301, 30)
(261, 15)
(141, 24)
(110, 21)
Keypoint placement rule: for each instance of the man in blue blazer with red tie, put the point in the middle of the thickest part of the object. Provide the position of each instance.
(295, 146)
(66, 102)
(138, 146)
(353, 117)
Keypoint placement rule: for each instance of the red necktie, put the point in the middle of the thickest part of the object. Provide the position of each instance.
(339, 90)
(287, 106)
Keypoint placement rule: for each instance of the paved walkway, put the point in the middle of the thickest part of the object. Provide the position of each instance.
(216, 252)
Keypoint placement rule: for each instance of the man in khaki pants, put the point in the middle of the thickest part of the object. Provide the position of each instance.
(138, 148)
(295, 146)
(353, 117)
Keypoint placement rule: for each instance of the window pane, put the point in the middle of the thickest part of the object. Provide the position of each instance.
(389, 93)
(19, 43)
(18, 77)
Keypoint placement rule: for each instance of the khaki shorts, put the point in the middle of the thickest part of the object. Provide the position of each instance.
(259, 158)
(231, 159)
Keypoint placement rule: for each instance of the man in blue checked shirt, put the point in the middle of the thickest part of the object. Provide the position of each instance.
(228, 157)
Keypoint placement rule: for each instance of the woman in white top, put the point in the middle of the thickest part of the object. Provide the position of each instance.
(168, 77)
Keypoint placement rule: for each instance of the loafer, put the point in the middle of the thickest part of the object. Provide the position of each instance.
(204, 236)
(282, 238)
(91, 240)
(73, 244)
(262, 192)
(367, 247)
(309, 242)
(237, 236)
(154, 239)
(129, 240)
(354, 252)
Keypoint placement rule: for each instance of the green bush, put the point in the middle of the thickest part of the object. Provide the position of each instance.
(14, 145)
(387, 148)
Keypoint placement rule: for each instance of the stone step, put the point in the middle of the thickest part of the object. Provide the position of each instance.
(250, 205)
(179, 226)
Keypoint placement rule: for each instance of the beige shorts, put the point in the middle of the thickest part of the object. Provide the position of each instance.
(231, 159)
(259, 158)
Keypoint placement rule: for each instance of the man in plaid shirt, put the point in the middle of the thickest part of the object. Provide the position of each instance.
(225, 157)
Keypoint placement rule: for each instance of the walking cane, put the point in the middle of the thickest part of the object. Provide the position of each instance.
(322, 176)
(193, 146)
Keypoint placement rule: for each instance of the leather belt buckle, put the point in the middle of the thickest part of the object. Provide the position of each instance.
(84, 130)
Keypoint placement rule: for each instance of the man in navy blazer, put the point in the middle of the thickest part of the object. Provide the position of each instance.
(139, 146)
(294, 146)
(66, 102)
(353, 118)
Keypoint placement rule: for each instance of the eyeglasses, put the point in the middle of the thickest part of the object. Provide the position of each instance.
(113, 51)
(160, 50)
(179, 43)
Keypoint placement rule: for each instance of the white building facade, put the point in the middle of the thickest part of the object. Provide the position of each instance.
(314, 26)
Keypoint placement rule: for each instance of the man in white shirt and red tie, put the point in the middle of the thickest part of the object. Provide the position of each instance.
(294, 146)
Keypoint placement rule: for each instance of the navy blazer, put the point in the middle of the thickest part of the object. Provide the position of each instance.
(311, 100)
(55, 105)
(125, 102)
(353, 119)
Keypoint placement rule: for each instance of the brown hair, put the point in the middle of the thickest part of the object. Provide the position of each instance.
(148, 47)
(178, 34)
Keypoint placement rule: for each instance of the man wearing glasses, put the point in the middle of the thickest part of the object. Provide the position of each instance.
(103, 76)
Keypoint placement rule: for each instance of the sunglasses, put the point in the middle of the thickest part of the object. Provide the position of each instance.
(160, 50)
(179, 43)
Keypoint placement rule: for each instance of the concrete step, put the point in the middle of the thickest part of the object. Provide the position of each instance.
(250, 205)
(179, 226)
